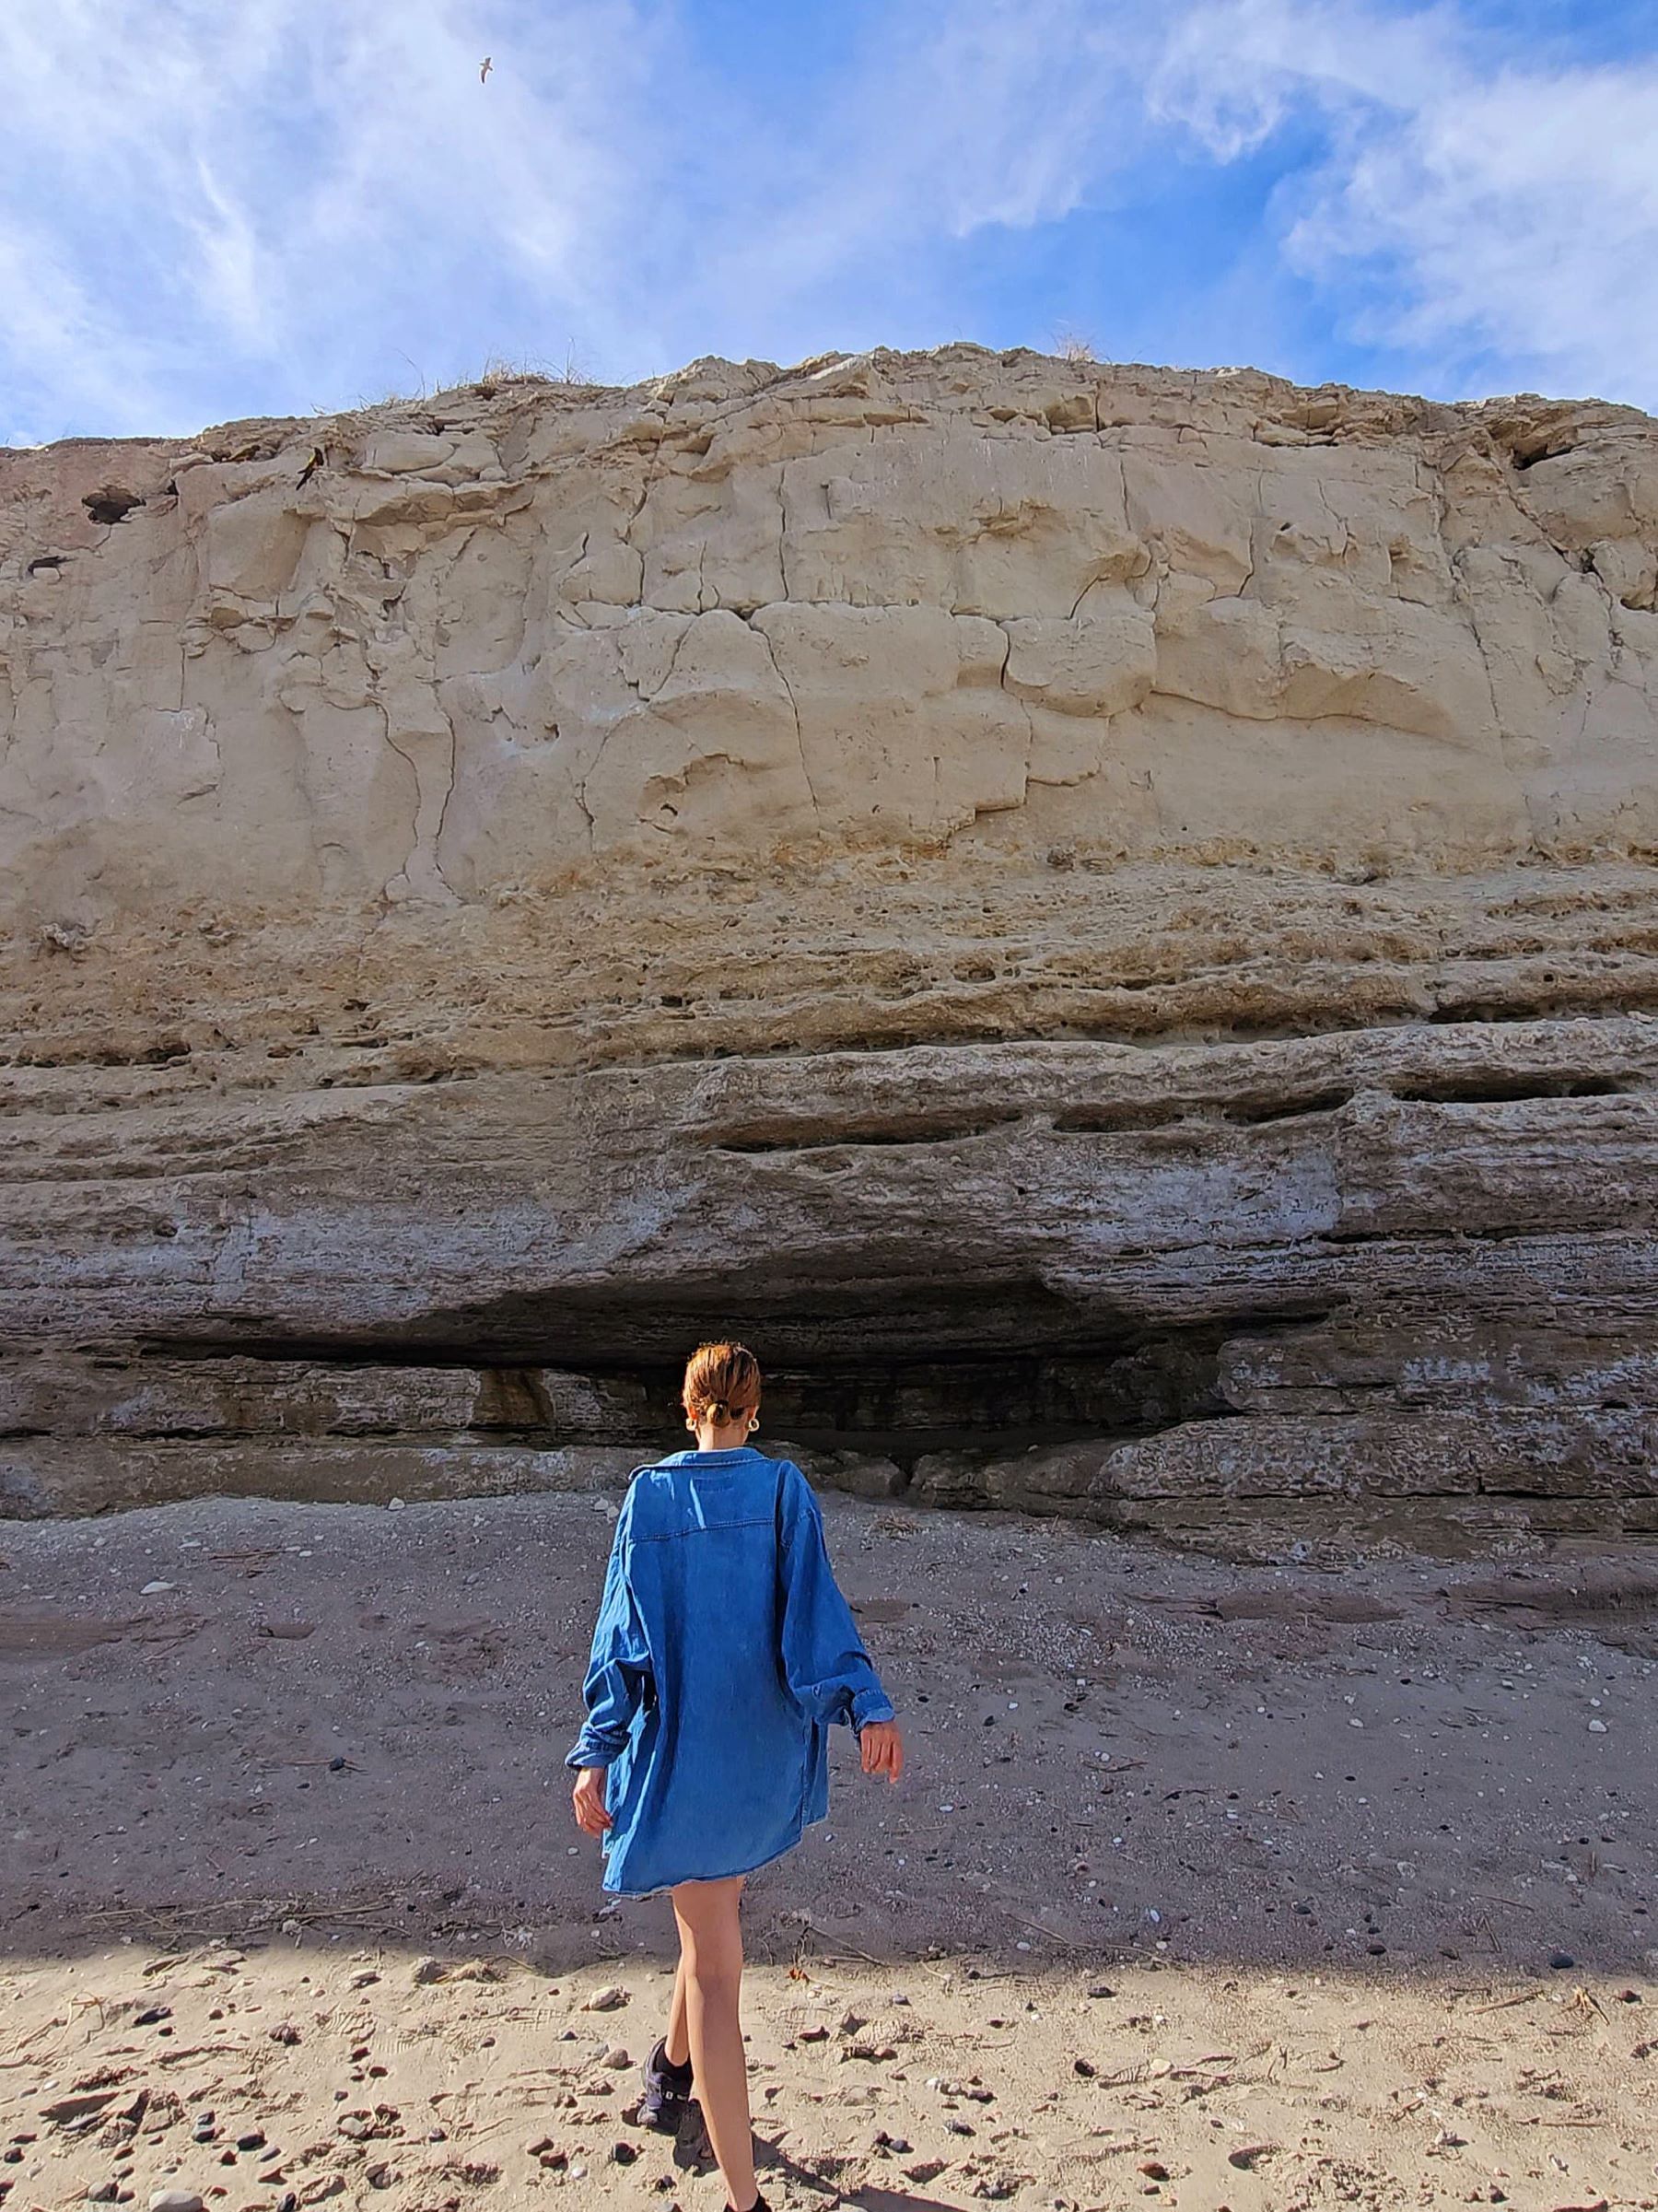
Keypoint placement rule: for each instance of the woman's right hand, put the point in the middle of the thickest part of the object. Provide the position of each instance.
(588, 1798)
(882, 1748)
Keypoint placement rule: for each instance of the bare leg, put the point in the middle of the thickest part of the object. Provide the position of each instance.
(711, 1956)
(678, 2039)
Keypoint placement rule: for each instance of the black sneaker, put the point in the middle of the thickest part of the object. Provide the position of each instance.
(667, 2092)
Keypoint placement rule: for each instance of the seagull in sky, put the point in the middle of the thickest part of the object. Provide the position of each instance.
(487, 66)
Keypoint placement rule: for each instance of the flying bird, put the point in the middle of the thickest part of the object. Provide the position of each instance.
(487, 66)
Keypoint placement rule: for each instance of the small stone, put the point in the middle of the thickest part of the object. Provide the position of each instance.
(1101, 1989)
(366, 1979)
(1246, 2154)
(1559, 1960)
(79, 2106)
(430, 1969)
(175, 2200)
(1375, 1949)
(616, 2057)
(623, 2154)
(606, 2000)
(957, 2127)
(253, 2140)
(283, 2032)
(151, 2014)
(154, 1589)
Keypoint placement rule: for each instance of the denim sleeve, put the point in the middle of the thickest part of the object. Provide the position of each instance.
(619, 1669)
(825, 1662)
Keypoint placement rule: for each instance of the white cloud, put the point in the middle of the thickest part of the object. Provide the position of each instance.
(229, 193)
(294, 204)
(207, 211)
(1491, 216)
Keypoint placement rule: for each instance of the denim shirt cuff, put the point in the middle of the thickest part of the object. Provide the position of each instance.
(588, 1751)
(870, 1705)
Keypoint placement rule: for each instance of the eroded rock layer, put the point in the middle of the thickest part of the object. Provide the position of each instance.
(1103, 919)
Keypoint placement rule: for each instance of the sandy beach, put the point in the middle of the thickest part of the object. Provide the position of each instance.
(1207, 1884)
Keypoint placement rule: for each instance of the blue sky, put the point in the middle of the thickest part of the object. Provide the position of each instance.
(210, 212)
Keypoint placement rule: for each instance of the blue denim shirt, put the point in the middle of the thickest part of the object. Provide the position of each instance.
(723, 1654)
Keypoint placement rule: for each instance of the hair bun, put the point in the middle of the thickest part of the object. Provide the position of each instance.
(722, 1384)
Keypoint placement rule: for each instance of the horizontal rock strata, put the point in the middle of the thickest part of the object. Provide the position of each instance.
(1103, 919)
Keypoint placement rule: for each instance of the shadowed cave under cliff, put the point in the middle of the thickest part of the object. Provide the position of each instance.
(1003, 1366)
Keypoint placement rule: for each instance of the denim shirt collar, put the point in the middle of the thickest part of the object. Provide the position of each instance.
(729, 1451)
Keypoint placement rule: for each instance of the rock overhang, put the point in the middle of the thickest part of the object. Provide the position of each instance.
(1012, 878)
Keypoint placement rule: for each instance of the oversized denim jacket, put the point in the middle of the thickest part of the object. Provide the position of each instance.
(724, 1652)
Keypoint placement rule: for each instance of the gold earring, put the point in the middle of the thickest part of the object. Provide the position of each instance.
(753, 1423)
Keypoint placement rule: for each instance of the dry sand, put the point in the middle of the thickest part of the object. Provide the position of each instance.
(1206, 1885)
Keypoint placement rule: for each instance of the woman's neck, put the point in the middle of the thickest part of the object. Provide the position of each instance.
(712, 1439)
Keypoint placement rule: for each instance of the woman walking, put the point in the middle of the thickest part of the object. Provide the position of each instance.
(724, 1652)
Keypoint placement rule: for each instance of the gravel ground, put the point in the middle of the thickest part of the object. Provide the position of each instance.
(1394, 1824)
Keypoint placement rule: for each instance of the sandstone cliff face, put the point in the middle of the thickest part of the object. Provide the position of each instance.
(1103, 917)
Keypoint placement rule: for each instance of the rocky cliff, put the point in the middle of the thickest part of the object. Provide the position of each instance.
(1103, 919)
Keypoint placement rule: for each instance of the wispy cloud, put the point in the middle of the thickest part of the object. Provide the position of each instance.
(282, 201)
(1485, 215)
(207, 211)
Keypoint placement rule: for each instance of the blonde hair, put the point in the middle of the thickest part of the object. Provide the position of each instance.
(722, 1384)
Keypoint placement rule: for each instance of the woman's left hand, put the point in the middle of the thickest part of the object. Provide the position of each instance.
(882, 1748)
(588, 1797)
